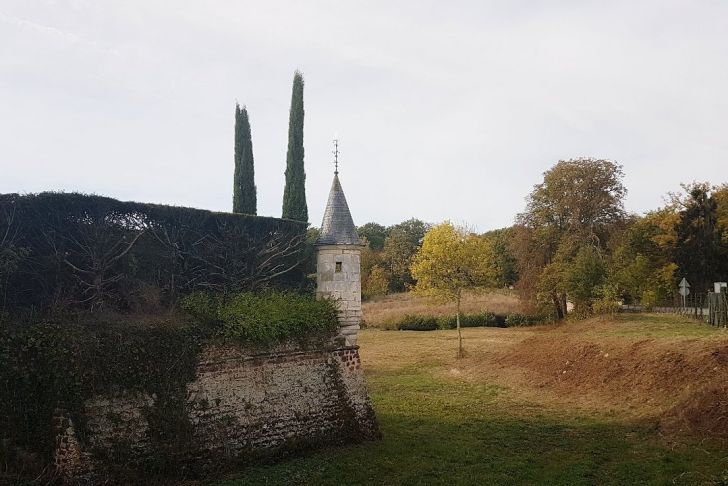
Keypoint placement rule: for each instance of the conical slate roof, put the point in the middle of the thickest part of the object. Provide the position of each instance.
(338, 227)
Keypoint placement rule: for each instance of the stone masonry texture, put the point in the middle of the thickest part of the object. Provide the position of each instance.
(343, 286)
(239, 405)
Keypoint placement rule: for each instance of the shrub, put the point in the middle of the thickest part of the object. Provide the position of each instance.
(264, 319)
(605, 305)
(649, 300)
(485, 319)
(430, 323)
(608, 301)
(521, 320)
(418, 323)
(376, 283)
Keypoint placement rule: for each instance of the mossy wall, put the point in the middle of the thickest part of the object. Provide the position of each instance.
(239, 406)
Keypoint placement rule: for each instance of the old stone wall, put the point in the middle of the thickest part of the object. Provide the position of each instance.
(339, 278)
(240, 404)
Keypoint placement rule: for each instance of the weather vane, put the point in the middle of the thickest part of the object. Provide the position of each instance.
(336, 155)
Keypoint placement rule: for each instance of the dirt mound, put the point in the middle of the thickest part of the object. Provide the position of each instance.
(682, 383)
(704, 413)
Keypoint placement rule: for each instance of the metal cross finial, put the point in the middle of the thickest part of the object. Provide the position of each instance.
(336, 156)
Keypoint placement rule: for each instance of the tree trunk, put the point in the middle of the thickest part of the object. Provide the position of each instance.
(557, 306)
(560, 305)
(460, 335)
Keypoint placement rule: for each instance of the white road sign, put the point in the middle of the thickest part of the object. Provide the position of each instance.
(684, 287)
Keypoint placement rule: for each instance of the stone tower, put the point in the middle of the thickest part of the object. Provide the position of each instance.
(338, 272)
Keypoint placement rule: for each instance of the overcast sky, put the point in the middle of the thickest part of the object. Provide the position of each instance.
(444, 110)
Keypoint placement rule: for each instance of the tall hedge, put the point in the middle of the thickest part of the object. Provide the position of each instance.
(72, 251)
(244, 190)
(294, 193)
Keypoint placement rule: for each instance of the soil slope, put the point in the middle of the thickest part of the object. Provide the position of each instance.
(679, 375)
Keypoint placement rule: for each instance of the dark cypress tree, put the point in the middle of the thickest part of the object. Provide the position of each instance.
(244, 191)
(699, 250)
(294, 194)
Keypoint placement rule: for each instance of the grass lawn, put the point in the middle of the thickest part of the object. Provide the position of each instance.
(449, 421)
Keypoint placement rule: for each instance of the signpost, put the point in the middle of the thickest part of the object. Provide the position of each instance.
(684, 290)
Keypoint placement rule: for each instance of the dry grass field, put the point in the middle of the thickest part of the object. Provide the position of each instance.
(655, 367)
(635, 399)
(381, 312)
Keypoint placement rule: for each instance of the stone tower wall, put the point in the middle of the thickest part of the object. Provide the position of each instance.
(343, 285)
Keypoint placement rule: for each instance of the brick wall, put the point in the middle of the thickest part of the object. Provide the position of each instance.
(239, 405)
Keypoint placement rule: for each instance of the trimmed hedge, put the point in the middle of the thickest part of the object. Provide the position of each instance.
(485, 319)
(418, 323)
(431, 323)
(69, 251)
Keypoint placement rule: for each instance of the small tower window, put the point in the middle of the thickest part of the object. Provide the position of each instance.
(338, 267)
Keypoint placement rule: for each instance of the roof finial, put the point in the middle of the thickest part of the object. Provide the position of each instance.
(336, 155)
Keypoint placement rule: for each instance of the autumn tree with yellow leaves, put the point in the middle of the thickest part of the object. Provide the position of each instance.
(453, 260)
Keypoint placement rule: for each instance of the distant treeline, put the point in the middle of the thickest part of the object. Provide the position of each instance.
(389, 253)
(576, 242)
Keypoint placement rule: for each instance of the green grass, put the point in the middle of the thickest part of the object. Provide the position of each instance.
(451, 432)
(655, 326)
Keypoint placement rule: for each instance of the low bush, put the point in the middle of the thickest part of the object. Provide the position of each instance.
(609, 301)
(648, 300)
(263, 319)
(431, 323)
(484, 319)
(522, 320)
(418, 323)
(606, 305)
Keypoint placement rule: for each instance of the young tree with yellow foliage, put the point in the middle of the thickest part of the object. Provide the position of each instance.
(451, 261)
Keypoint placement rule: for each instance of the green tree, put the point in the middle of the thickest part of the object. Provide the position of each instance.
(413, 229)
(585, 278)
(369, 257)
(244, 191)
(396, 258)
(580, 202)
(720, 194)
(376, 283)
(374, 233)
(699, 250)
(294, 193)
(504, 261)
(401, 244)
(451, 261)
(642, 259)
